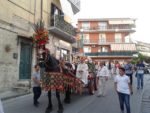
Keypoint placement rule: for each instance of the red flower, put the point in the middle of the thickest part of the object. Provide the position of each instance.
(40, 37)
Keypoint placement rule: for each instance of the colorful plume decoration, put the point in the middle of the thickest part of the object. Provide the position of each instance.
(40, 36)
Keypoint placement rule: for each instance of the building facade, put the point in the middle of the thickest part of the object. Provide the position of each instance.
(143, 48)
(17, 52)
(107, 38)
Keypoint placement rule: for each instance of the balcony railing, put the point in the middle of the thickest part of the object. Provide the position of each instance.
(110, 54)
(60, 27)
(109, 28)
(99, 42)
(87, 41)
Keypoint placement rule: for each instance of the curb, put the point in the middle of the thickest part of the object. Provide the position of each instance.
(14, 96)
(142, 96)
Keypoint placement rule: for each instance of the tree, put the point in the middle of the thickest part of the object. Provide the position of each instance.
(140, 58)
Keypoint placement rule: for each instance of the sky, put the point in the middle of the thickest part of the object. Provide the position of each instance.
(138, 9)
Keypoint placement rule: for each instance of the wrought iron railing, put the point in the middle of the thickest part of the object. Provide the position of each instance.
(59, 22)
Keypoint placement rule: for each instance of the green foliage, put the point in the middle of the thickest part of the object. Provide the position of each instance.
(38, 26)
(140, 58)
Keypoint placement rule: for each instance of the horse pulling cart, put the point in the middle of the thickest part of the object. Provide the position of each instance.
(60, 79)
(57, 77)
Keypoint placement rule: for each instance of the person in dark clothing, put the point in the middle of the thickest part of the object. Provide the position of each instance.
(92, 77)
(129, 71)
(140, 74)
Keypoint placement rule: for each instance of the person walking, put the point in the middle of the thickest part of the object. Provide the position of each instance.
(129, 70)
(82, 71)
(117, 66)
(92, 76)
(109, 66)
(140, 74)
(124, 89)
(36, 85)
(102, 75)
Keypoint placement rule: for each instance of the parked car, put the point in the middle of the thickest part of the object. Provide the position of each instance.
(147, 70)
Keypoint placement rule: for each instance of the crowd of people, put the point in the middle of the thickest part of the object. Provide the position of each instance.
(121, 73)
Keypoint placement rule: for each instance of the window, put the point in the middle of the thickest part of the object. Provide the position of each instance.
(102, 25)
(100, 49)
(85, 38)
(55, 11)
(104, 49)
(87, 49)
(85, 25)
(102, 38)
(118, 38)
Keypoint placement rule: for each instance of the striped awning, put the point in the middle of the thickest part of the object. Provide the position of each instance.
(123, 47)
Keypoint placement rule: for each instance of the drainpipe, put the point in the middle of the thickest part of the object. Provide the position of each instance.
(41, 9)
(34, 10)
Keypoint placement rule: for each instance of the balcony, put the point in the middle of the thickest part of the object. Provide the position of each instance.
(112, 54)
(110, 28)
(62, 28)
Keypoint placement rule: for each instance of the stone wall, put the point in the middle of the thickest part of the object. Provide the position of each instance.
(16, 19)
(8, 65)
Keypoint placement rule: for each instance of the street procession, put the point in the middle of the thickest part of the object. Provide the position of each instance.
(74, 56)
(52, 74)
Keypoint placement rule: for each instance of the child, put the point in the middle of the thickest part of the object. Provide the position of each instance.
(36, 85)
(124, 89)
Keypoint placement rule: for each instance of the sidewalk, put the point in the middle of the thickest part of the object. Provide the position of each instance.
(11, 94)
(145, 102)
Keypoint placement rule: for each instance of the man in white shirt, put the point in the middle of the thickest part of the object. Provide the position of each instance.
(102, 75)
(124, 89)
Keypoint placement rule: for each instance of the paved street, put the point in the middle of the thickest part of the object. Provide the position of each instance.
(80, 103)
